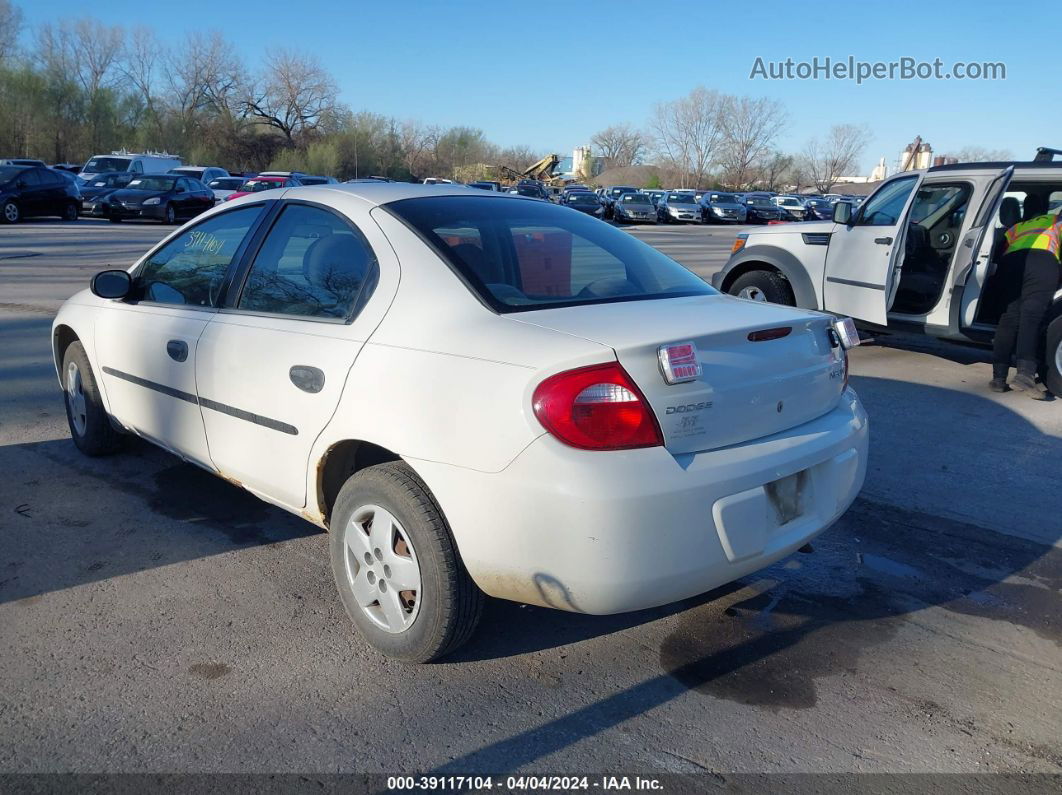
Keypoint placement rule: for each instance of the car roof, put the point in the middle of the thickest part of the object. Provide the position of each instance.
(996, 165)
(386, 192)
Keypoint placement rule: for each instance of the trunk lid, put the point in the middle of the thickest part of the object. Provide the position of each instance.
(747, 389)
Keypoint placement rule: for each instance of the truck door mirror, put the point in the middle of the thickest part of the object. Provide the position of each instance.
(842, 213)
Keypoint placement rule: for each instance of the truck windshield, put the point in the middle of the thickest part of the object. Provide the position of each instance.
(518, 256)
(98, 164)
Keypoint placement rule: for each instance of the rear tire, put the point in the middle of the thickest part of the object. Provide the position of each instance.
(10, 213)
(90, 426)
(764, 286)
(1053, 358)
(444, 609)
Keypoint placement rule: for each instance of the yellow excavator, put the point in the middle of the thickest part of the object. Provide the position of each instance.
(541, 171)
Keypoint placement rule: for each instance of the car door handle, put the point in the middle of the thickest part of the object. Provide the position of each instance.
(883, 241)
(177, 350)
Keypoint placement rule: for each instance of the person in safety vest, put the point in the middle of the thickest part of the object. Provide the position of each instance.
(1030, 259)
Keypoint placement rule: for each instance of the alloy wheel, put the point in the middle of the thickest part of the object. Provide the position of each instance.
(382, 568)
(75, 398)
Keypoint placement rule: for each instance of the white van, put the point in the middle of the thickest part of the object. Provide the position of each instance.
(132, 162)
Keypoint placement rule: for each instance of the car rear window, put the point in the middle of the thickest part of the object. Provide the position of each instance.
(525, 255)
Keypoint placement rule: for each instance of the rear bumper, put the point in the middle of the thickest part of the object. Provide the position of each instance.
(613, 532)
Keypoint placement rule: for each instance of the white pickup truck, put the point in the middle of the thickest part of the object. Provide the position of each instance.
(918, 255)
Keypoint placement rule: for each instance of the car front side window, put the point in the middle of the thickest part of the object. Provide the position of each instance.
(311, 264)
(885, 207)
(190, 269)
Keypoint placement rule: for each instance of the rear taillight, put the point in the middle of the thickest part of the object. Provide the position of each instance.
(596, 408)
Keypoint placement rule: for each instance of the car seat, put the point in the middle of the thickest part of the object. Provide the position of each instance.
(478, 263)
(1000, 287)
(335, 268)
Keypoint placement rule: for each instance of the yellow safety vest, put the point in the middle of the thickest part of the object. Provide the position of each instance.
(1043, 232)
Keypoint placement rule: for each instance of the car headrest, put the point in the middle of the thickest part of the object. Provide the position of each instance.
(476, 261)
(337, 262)
(1009, 212)
(1033, 206)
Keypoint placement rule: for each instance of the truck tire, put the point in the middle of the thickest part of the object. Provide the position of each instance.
(762, 285)
(90, 427)
(1053, 358)
(397, 568)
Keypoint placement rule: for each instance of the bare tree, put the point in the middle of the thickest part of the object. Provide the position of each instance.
(416, 142)
(56, 54)
(621, 145)
(979, 154)
(688, 132)
(776, 170)
(296, 95)
(99, 48)
(517, 158)
(838, 155)
(10, 26)
(750, 127)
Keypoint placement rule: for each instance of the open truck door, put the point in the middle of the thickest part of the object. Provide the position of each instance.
(863, 258)
(974, 266)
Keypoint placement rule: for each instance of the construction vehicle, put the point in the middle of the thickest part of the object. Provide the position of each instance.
(540, 171)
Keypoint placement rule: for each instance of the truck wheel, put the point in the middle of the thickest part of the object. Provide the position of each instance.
(766, 286)
(1053, 358)
(90, 426)
(397, 568)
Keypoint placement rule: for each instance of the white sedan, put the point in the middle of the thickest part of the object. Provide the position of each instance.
(476, 394)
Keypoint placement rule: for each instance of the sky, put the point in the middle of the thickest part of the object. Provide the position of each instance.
(550, 74)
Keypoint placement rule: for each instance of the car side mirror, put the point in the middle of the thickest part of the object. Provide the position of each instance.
(842, 213)
(180, 189)
(112, 284)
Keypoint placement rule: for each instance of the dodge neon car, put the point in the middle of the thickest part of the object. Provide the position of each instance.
(477, 394)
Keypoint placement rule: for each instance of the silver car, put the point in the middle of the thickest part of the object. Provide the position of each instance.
(634, 208)
(720, 208)
(677, 207)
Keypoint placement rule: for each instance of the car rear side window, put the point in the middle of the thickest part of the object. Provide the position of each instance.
(190, 269)
(312, 264)
(519, 255)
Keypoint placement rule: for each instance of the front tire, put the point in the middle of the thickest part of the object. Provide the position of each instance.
(1053, 358)
(70, 212)
(397, 568)
(11, 213)
(90, 427)
(170, 216)
(764, 286)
